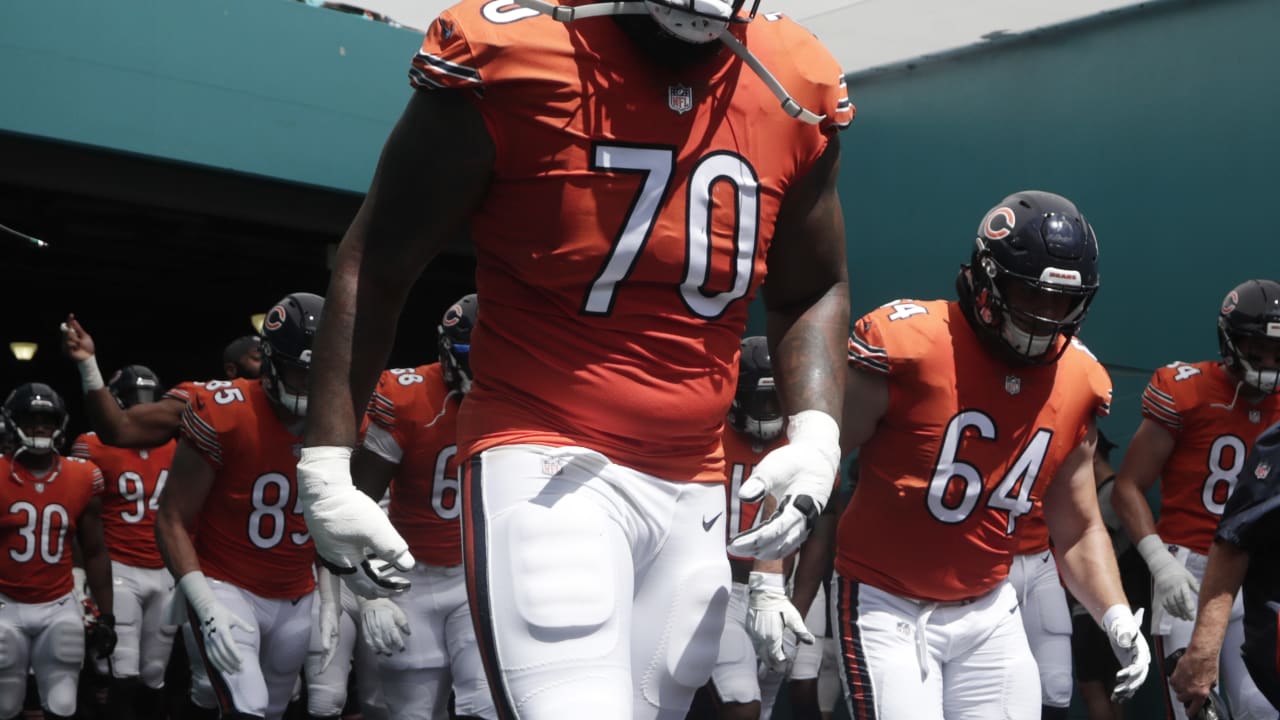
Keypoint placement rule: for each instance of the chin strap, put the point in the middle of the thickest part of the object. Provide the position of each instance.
(567, 14)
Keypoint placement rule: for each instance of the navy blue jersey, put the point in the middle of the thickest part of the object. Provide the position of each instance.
(1251, 521)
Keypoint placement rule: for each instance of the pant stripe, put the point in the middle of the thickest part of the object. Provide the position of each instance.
(1164, 679)
(474, 557)
(857, 676)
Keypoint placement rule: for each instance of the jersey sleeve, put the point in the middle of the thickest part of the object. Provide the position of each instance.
(181, 392)
(203, 426)
(1100, 383)
(97, 484)
(821, 87)
(893, 336)
(382, 437)
(81, 448)
(448, 59)
(1251, 518)
(1159, 401)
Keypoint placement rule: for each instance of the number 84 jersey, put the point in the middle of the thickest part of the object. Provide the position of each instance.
(965, 451)
(1214, 429)
(250, 532)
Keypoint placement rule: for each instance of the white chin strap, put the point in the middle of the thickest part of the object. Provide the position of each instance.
(687, 26)
(1024, 342)
(293, 402)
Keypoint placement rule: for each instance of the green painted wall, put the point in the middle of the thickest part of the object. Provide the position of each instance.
(269, 87)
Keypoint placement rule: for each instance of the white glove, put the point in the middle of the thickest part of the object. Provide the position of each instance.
(770, 615)
(330, 615)
(345, 524)
(373, 578)
(215, 622)
(1124, 630)
(384, 625)
(800, 474)
(1175, 588)
(79, 585)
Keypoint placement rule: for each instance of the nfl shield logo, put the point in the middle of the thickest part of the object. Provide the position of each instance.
(39, 487)
(1263, 470)
(1013, 385)
(680, 98)
(1255, 416)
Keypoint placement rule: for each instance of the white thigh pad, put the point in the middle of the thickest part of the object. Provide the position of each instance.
(14, 647)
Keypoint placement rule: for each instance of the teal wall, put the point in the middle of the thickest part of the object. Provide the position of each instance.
(268, 87)
(1161, 125)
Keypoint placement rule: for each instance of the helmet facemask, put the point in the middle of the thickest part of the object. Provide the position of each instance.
(1253, 358)
(285, 379)
(757, 411)
(25, 422)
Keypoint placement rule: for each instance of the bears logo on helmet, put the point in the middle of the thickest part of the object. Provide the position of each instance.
(287, 334)
(454, 342)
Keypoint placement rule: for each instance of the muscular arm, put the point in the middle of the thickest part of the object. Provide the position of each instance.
(1086, 560)
(190, 479)
(1148, 452)
(807, 292)
(145, 425)
(371, 472)
(97, 563)
(866, 400)
(433, 172)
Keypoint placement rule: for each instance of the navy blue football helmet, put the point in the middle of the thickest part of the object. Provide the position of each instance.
(1031, 277)
(287, 334)
(756, 409)
(1250, 310)
(454, 342)
(133, 385)
(29, 401)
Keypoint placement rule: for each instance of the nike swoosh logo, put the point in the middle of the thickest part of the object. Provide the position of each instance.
(706, 524)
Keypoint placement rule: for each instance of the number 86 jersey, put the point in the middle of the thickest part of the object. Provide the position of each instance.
(965, 451)
(250, 531)
(626, 224)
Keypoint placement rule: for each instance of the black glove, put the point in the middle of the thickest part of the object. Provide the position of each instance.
(102, 636)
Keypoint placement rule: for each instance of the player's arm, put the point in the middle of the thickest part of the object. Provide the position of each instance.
(815, 557)
(422, 194)
(1087, 563)
(190, 479)
(1197, 671)
(372, 474)
(1086, 559)
(93, 550)
(866, 400)
(146, 425)
(1148, 452)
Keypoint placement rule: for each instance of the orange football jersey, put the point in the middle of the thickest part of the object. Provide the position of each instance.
(38, 519)
(134, 481)
(1214, 430)
(964, 453)
(416, 408)
(626, 225)
(182, 391)
(741, 454)
(251, 532)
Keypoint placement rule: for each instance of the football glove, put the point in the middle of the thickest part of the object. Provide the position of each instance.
(800, 474)
(1124, 630)
(770, 617)
(384, 625)
(1175, 589)
(345, 524)
(215, 622)
(102, 636)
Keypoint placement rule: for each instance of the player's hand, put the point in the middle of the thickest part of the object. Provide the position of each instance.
(770, 617)
(345, 524)
(384, 625)
(800, 474)
(215, 623)
(330, 616)
(1175, 589)
(102, 636)
(1193, 679)
(1124, 630)
(77, 343)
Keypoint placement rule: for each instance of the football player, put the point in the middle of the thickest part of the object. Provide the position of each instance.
(1243, 554)
(229, 527)
(242, 358)
(625, 181)
(967, 415)
(146, 424)
(1198, 422)
(45, 497)
(143, 587)
(425, 640)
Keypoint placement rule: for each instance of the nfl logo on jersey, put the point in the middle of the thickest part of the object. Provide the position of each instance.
(1263, 470)
(680, 98)
(1255, 416)
(1012, 384)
